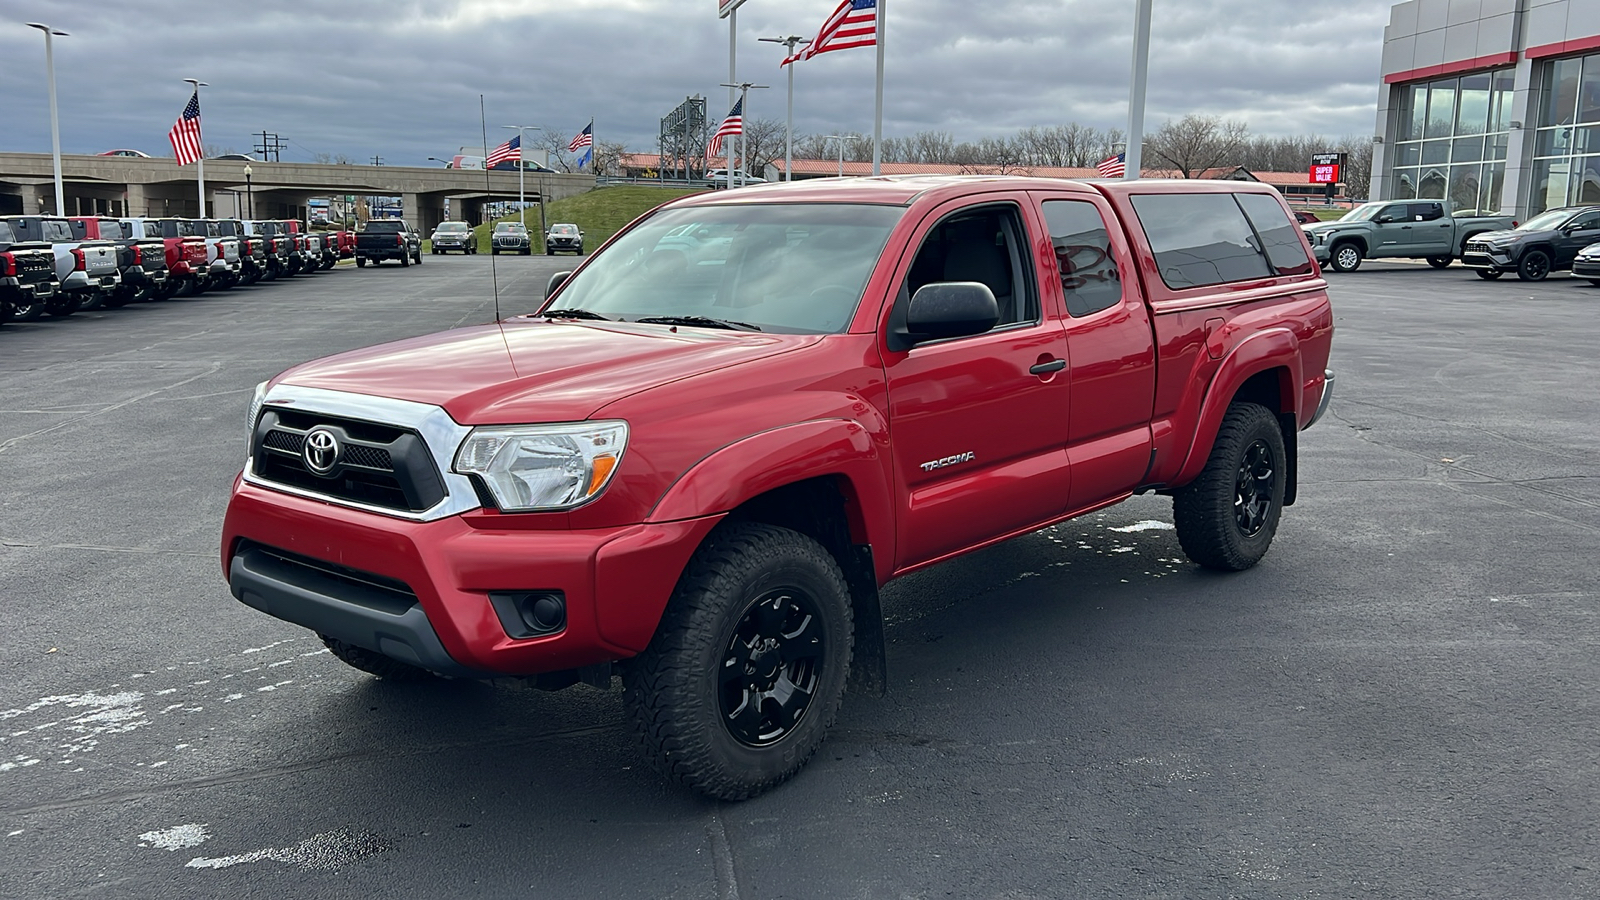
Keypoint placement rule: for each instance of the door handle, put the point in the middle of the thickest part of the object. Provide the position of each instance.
(1047, 368)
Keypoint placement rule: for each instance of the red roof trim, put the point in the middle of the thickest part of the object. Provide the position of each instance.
(1456, 68)
(1562, 48)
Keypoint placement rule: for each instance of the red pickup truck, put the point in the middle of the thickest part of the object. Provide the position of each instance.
(695, 466)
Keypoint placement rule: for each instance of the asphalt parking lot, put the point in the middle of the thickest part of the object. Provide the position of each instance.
(1400, 701)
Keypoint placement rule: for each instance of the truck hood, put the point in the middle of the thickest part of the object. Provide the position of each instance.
(1326, 226)
(535, 370)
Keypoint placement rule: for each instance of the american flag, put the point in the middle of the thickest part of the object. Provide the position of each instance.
(585, 138)
(733, 124)
(1114, 166)
(185, 133)
(510, 150)
(853, 24)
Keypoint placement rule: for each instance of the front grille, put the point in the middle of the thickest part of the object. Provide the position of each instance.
(376, 465)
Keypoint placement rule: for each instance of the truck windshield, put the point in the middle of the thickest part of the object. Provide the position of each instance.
(1362, 213)
(792, 268)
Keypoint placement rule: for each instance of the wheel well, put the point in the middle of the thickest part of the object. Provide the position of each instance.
(1274, 389)
(1360, 243)
(826, 510)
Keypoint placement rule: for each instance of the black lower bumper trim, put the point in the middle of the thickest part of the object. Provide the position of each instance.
(371, 616)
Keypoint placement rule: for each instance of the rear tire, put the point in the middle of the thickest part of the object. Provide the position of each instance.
(361, 263)
(747, 668)
(375, 663)
(27, 312)
(1227, 516)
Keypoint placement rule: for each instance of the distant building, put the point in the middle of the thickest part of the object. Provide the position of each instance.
(1492, 104)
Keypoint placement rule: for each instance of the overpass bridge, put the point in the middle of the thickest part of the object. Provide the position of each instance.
(135, 186)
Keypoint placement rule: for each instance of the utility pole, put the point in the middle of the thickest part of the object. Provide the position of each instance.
(789, 42)
(377, 160)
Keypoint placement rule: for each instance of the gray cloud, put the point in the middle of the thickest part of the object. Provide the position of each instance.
(401, 78)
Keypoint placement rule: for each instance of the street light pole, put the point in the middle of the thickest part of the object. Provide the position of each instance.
(522, 203)
(838, 140)
(789, 42)
(200, 174)
(249, 192)
(744, 116)
(55, 120)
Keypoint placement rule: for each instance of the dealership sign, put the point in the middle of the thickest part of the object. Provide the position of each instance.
(724, 7)
(1326, 167)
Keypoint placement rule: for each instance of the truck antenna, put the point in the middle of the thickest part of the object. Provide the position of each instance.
(494, 277)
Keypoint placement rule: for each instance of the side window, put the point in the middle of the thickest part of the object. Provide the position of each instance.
(1089, 277)
(1396, 212)
(1199, 239)
(1587, 221)
(80, 230)
(1427, 212)
(1280, 235)
(985, 245)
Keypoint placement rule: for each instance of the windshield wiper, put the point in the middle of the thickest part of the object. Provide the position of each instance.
(698, 322)
(573, 314)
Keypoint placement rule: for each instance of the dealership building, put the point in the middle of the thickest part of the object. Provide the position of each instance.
(1493, 104)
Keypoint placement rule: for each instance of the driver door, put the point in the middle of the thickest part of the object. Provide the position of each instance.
(1392, 237)
(1580, 232)
(979, 422)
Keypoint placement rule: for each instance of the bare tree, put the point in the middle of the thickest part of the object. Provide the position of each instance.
(762, 143)
(553, 142)
(1196, 143)
(1358, 165)
(608, 157)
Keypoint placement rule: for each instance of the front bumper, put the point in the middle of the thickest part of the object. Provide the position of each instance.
(616, 581)
(1493, 259)
(1586, 267)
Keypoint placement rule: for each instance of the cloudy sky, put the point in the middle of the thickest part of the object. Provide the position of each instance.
(401, 79)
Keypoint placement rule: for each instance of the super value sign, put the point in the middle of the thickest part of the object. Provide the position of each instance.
(1325, 168)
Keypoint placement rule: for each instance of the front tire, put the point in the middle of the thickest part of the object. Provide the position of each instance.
(1440, 262)
(1346, 257)
(1489, 274)
(747, 669)
(374, 663)
(1227, 516)
(1534, 266)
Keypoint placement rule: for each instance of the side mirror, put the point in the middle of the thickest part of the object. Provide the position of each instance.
(555, 282)
(1383, 220)
(951, 309)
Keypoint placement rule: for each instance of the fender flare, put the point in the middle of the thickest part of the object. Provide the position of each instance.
(767, 460)
(1272, 348)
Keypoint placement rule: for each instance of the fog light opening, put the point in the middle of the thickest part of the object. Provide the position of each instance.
(529, 614)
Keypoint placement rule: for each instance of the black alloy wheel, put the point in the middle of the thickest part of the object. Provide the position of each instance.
(1489, 274)
(1440, 262)
(746, 671)
(1227, 516)
(1534, 266)
(27, 311)
(768, 675)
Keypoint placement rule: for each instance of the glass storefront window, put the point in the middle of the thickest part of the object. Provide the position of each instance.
(1550, 183)
(1441, 107)
(1586, 180)
(1589, 91)
(1560, 101)
(1466, 122)
(1566, 149)
(1473, 114)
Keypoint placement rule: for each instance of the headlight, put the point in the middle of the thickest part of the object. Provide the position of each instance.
(543, 467)
(255, 411)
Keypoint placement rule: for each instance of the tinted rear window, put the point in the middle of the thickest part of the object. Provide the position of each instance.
(111, 230)
(1199, 239)
(1280, 235)
(5, 234)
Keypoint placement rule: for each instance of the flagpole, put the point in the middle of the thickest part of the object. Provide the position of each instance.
(1136, 89)
(877, 116)
(733, 78)
(200, 173)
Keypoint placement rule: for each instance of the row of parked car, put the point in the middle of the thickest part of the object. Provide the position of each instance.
(1556, 240)
(56, 266)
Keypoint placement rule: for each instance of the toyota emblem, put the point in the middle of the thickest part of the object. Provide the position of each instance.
(321, 450)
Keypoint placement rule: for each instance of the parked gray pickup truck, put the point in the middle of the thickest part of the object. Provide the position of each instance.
(1409, 229)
